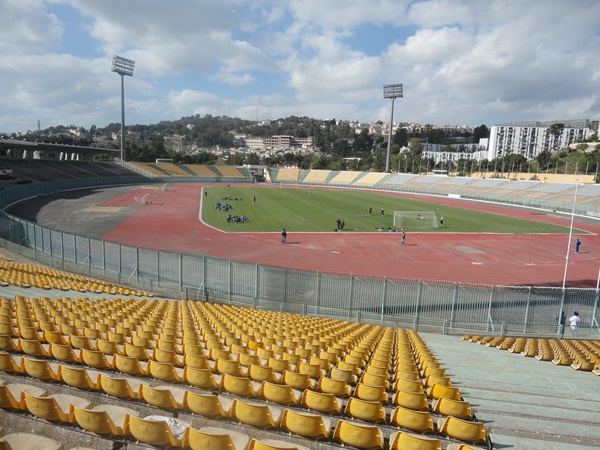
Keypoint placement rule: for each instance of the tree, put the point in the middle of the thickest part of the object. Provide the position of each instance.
(481, 132)
(415, 147)
(556, 129)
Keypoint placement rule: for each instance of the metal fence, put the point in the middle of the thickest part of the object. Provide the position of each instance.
(418, 304)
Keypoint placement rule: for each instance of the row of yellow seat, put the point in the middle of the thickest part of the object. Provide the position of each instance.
(358, 353)
(27, 275)
(113, 420)
(581, 355)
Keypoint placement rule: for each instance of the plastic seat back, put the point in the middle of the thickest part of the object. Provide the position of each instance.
(153, 432)
(371, 393)
(312, 426)
(318, 401)
(251, 414)
(202, 378)
(450, 407)
(356, 435)
(419, 421)
(463, 430)
(404, 441)
(365, 410)
(207, 405)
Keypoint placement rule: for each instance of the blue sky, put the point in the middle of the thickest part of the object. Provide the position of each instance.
(462, 62)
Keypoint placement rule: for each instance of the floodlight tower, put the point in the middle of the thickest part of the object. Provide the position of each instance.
(123, 67)
(392, 91)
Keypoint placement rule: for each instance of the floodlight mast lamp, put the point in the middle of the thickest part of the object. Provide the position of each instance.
(123, 67)
(392, 91)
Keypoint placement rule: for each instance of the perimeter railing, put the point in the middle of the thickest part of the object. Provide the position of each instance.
(420, 304)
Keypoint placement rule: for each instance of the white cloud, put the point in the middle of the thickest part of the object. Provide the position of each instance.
(27, 27)
(461, 61)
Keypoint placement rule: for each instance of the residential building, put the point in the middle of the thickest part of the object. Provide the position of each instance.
(532, 138)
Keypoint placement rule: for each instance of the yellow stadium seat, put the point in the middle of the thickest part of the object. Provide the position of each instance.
(54, 407)
(215, 354)
(103, 419)
(272, 444)
(130, 365)
(438, 391)
(10, 364)
(312, 426)
(41, 369)
(80, 342)
(196, 361)
(54, 337)
(404, 441)
(201, 378)
(365, 410)
(9, 344)
(214, 439)
(153, 432)
(33, 347)
(96, 359)
(411, 400)
(80, 378)
(11, 395)
(335, 387)
(208, 405)
(127, 388)
(241, 386)
(318, 401)
(230, 367)
(419, 421)
(314, 371)
(261, 373)
(246, 360)
(165, 372)
(298, 381)
(382, 371)
(65, 353)
(463, 430)
(163, 396)
(368, 437)
(408, 385)
(434, 379)
(136, 351)
(107, 347)
(260, 416)
(279, 393)
(279, 365)
(450, 407)
(371, 393)
(375, 380)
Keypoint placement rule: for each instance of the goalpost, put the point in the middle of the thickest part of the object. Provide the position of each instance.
(416, 220)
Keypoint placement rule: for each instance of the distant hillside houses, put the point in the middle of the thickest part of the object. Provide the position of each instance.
(278, 142)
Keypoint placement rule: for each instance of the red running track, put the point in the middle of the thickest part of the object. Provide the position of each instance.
(173, 224)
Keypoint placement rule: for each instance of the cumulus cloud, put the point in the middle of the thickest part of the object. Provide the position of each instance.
(461, 61)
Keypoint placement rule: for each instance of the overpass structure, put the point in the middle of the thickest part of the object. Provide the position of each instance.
(12, 148)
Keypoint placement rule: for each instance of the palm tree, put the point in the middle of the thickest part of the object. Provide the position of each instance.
(556, 129)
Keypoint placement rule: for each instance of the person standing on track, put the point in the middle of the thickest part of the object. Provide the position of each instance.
(403, 236)
(283, 236)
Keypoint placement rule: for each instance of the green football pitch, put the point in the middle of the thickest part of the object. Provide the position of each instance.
(316, 210)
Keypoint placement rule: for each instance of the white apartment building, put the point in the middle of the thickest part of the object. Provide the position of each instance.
(473, 151)
(531, 138)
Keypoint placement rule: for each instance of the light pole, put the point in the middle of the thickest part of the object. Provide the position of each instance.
(123, 67)
(570, 235)
(392, 91)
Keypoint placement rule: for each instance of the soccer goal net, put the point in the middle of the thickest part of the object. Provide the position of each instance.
(415, 220)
